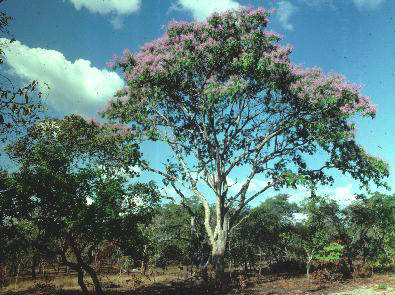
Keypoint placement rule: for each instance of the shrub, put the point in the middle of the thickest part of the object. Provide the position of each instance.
(330, 264)
(362, 270)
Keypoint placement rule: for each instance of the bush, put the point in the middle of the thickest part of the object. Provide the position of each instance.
(44, 288)
(330, 271)
(362, 270)
(330, 264)
(288, 266)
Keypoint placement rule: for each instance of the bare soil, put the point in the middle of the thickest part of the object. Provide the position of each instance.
(283, 285)
(174, 282)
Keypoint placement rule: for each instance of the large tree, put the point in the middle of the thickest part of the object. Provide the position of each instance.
(223, 94)
(73, 197)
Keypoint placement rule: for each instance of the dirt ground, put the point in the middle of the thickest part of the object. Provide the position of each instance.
(378, 284)
(174, 283)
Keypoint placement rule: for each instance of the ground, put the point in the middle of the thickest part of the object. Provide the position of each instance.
(175, 282)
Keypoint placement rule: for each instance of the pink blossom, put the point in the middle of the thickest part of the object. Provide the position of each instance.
(315, 86)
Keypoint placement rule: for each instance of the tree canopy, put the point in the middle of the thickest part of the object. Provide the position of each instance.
(223, 93)
(72, 191)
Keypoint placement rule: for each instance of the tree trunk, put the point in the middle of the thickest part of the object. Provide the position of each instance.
(95, 279)
(34, 263)
(144, 261)
(260, 262)
(218, 255)
(81, 282)
(17, 274)
(308, 264)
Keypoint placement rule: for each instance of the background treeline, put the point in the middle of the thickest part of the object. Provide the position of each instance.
(318, 238)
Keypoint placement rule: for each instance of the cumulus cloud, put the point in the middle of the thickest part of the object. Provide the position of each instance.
(343, 195)
(108, 6)
(285, 9)
(255, 185)
(117, 22)
(201, 9)
(117, 8)
(319, 3)
(368, 4)
(75, 87)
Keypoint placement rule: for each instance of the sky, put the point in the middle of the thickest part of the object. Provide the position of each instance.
(67, 44)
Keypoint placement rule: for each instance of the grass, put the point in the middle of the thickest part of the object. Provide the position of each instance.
(122, 282)
(382, 286)
(176, 282)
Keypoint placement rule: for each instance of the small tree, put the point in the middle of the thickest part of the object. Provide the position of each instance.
(266, 232)
(20, 107)
(223, 94)
(70, 193)
(178, 235)
(370, 223)
(316, 230)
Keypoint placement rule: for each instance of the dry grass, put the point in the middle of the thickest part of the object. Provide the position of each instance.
(176, 282)
(121, 283)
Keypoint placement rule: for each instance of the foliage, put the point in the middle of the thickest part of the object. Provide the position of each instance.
(223, 93)
(265, 233)
(317, 228)
(20, 107)
(330, 253)
(71, 190)
(178, 235)
(371, 227)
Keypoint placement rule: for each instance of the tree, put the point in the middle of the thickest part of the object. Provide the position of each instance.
(266, 232)
(69, 191)
(178, 235)
(370, 223)
(316, 231)
(223, 94)
(20, 107)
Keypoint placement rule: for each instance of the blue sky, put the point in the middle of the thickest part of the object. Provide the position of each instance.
(67, 44)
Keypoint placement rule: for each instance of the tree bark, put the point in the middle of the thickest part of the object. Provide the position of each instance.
(144, 261)
(218, 253)
(95, 279)
(81, 282)
(34, 264)
(308, 264)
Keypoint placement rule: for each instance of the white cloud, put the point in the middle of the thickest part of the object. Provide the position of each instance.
(108, 6)
(299, 217)
(117, 8)
(255, 185)
(117, 22)
(285, 9)
(298, 195)
(343, 195)
(75, 87)
(319, 3)
(201, 9)
(369, 4)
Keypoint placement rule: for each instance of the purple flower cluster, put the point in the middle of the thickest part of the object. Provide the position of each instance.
(187, 39)
(215, 88)
(279, 54)
(314, 85)
(243, 37)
